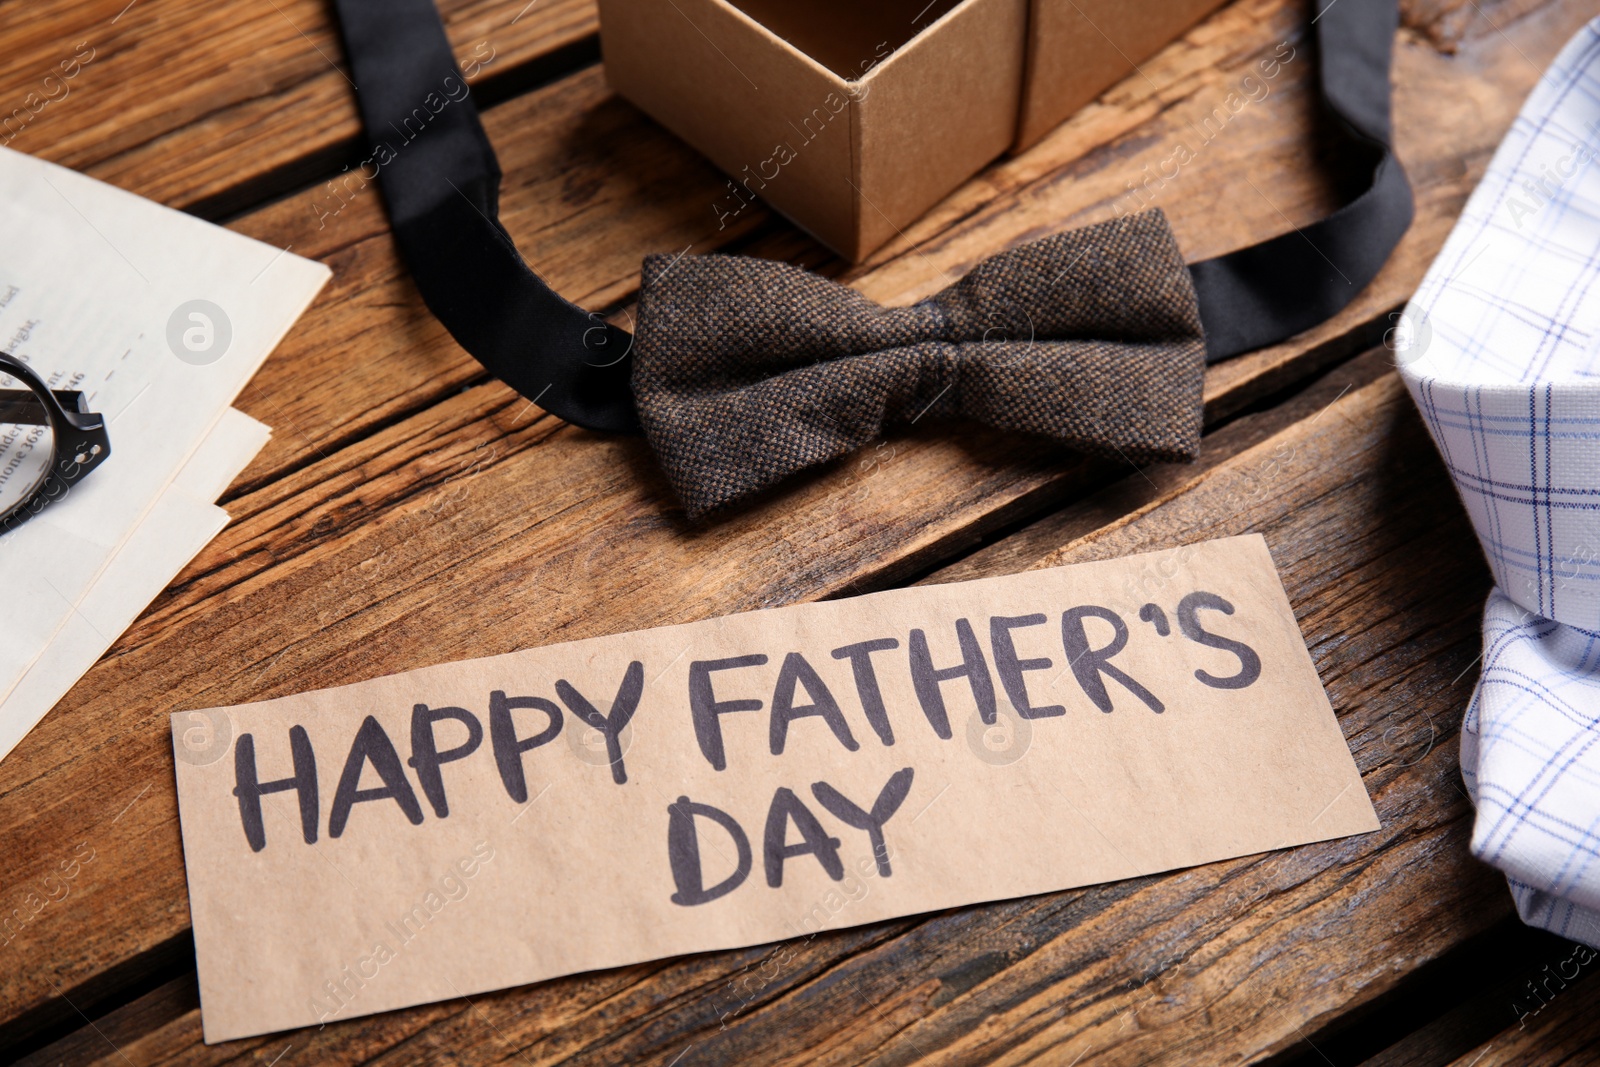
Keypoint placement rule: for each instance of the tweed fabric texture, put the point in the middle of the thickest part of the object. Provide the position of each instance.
(748, 370)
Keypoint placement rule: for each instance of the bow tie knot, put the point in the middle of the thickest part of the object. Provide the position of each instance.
(748, 370)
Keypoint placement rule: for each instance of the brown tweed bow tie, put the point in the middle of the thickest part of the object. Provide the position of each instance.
(748, 370)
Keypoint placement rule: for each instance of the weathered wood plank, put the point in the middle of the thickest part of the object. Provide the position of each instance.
(475, 526)
(206, 106)
(1236, 958)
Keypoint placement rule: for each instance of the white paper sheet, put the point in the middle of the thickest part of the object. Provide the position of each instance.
(182, 523)
(99, 292)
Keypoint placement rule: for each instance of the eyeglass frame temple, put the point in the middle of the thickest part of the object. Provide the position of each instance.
(55, 401)
(79, 444)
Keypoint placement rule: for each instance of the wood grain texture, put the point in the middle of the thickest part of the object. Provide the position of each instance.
(186, 103)
(1446, 23)
(1221, 963)
(400, 519)
(602, 513)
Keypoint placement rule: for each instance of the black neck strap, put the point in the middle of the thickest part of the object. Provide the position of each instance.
(441, 181)
(442, 184)
(1268, 292)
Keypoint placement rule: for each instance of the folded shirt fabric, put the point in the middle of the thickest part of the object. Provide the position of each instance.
(1502, 355)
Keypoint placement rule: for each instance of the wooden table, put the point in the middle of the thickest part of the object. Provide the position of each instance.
(410, 511)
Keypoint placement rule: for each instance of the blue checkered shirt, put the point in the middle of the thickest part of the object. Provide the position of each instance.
(1501, 351)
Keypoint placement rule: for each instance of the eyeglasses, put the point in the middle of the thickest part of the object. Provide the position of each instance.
(49, 440)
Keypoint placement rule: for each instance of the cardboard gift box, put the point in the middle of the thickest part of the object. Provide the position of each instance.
(852, 118)
(1077, 49)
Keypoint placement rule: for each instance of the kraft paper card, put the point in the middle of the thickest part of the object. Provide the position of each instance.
(477, 825)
